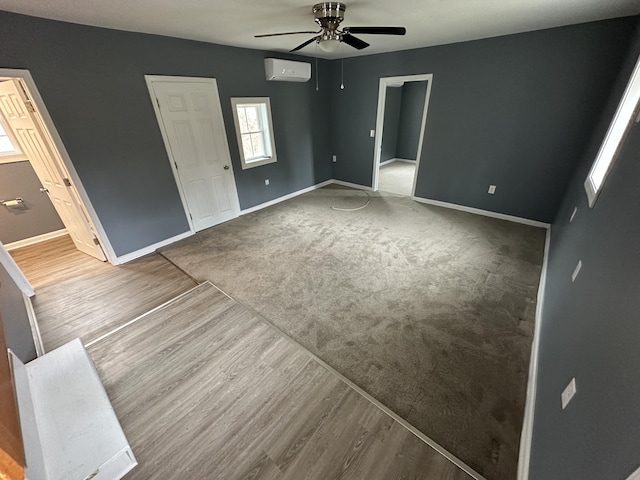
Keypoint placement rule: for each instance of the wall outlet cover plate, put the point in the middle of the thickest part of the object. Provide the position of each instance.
(568, 393)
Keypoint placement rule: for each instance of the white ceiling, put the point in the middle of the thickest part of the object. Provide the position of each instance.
(234, 22)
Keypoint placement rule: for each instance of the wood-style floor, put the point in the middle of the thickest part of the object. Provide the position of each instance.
(205, 389)
(78, 296)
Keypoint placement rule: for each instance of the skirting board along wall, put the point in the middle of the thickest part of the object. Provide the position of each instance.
(37, 239)
(530, 405)
(486, 213)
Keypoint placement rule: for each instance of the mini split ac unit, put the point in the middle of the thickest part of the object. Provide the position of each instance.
(279, 70)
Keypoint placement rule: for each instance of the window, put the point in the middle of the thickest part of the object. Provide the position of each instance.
(254, 129)
(613, 140)
(8, 146)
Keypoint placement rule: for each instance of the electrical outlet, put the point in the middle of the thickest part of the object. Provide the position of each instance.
(576, 271)
(372, 133)
(568, 393)
(573, 214)
(492, 189)
(266, 181)
(334, 159)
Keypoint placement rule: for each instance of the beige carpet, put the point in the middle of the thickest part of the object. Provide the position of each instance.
(397, 177)
(429, 310)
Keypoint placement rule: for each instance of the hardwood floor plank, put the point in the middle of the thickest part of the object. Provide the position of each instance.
(79, 296)
(205, 389)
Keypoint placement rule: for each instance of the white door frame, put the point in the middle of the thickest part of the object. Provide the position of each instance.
(149, 79)
(25, 77)
(382, 98)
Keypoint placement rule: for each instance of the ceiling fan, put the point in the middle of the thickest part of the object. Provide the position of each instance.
(329, 15)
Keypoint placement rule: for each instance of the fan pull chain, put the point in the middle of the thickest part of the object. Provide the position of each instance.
(317, 79)
(342, 73)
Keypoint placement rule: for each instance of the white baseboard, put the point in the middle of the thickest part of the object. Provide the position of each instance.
(526, 438)
(285, 197)
(352, 185)
(150, 249)
(392, 160)
(37, 239)
(486, 213)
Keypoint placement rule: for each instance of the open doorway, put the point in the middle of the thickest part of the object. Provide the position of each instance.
(35, 153)
(401, 119)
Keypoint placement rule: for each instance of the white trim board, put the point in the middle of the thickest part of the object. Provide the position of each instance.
(285, 197)
(352, 185)
(15, 273)
(526, 437)
(33, 323)
(393, 160)
(486, 213)
(37, 239)
(150, 249)
(379, 131)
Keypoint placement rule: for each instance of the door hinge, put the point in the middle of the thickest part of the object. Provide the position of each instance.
(176, 164)
(96, 241)
(191, 216)
(30, 107)
(158, 102)
(67, 182)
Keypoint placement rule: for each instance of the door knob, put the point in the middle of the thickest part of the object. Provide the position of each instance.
(226, 167)
(44, 190)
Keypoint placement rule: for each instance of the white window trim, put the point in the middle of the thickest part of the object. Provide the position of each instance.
(625, 115)
(267, 125)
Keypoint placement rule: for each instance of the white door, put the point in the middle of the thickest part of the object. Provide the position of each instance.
(20, 115)
(190, 117)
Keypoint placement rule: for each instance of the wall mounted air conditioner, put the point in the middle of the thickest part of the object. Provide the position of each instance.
(279, 70)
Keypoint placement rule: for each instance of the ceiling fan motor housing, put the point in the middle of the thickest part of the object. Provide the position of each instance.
(329, 14)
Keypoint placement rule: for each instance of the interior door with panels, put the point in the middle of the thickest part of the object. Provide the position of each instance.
(191, 120)
(33, 138)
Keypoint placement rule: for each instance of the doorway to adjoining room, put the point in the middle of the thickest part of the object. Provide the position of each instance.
(402, 110)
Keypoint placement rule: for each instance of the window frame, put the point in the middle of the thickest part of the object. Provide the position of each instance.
(626, 114)
(17, 155)
(266, 125)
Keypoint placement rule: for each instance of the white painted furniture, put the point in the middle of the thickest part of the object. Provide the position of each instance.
(70, 430)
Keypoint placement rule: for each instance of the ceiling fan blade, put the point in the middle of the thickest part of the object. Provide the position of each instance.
(280, 34)
(354, 41)
(376, 30)
(302, 45)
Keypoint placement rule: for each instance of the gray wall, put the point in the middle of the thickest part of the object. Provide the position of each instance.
(15, 319)
(392, 107)
(413, 94)
(513, 111)
(36, 215)
(92, 82)
(590, 329)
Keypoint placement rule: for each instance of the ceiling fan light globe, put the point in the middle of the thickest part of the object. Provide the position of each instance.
(329, 46)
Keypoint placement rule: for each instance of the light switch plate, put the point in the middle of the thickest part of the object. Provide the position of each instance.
(492, 189)
(372, 133)
(568, 393)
